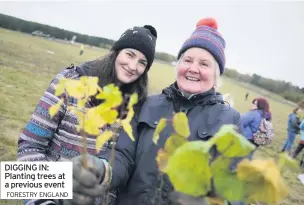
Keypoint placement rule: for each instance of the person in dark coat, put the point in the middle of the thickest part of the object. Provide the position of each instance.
(293, 129)
(201, 61)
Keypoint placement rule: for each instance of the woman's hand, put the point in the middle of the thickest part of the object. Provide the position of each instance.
(88, 183)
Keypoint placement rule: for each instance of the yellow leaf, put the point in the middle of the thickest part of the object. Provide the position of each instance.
(81, 103)
(129, 115)
(215, 201)
(162, 160)
(174, 142)
(109, 116)
(91, 84)
(133, 100)
(101, 139)
(263, 181)
(75, 88)
(161, 125)
(55, 108)
(128, 129)
(112, 96)
(180, 124)
(93, 122)
(59, 88)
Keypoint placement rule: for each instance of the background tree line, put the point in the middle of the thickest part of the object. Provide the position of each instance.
(285, 89)
(13, 23)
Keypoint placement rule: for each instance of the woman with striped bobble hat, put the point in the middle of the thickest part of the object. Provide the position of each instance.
(201, 60)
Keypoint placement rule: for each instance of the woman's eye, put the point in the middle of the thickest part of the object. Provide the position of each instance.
(142, 63)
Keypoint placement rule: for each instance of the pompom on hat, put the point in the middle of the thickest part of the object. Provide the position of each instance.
(207, 37)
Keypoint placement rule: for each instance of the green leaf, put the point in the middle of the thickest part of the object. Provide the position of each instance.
(180, 124)
(173, 143)
(230, 143)
(188, 168)
(225, 182)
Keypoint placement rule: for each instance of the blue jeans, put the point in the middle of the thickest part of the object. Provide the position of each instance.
(291, 136)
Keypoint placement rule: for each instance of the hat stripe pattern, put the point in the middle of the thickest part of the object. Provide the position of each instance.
(207, 37)
(201, 28)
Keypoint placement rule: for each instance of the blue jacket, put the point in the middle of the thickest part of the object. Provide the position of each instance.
(293, 123)
(302, 130)
(251, 121)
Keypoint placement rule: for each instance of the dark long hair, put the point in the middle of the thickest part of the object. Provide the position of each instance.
(262, 104)
(104, 69)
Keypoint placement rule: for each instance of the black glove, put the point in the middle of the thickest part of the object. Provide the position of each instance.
(87, 183)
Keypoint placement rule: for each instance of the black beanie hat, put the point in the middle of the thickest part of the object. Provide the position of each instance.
(139, 38)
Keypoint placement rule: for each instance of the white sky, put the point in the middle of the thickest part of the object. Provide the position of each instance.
(266, 38)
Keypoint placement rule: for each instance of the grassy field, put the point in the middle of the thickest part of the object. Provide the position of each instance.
(27, 67)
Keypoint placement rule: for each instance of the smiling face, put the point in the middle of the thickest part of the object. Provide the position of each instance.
(196, 71)
(130, 64)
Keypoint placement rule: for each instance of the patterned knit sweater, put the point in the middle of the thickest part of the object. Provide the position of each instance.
(53, 139)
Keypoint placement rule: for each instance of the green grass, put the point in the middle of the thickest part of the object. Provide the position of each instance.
(26, 69)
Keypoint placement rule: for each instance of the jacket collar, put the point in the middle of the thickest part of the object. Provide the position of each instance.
(209, 97)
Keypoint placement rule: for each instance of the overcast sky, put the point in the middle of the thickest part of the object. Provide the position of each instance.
(266, 38)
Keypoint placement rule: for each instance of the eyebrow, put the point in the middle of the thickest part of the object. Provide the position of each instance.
(188, 57)
(131, 52)
(205, 60)
(143, 60)
(201, 60)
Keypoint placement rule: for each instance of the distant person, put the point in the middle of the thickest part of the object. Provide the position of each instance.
(252, 119)
(246, 96)
(293, 129)
(81, 49)
(301, 142)
(57, 139)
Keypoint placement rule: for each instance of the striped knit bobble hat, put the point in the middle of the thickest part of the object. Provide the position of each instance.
(207, 37)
